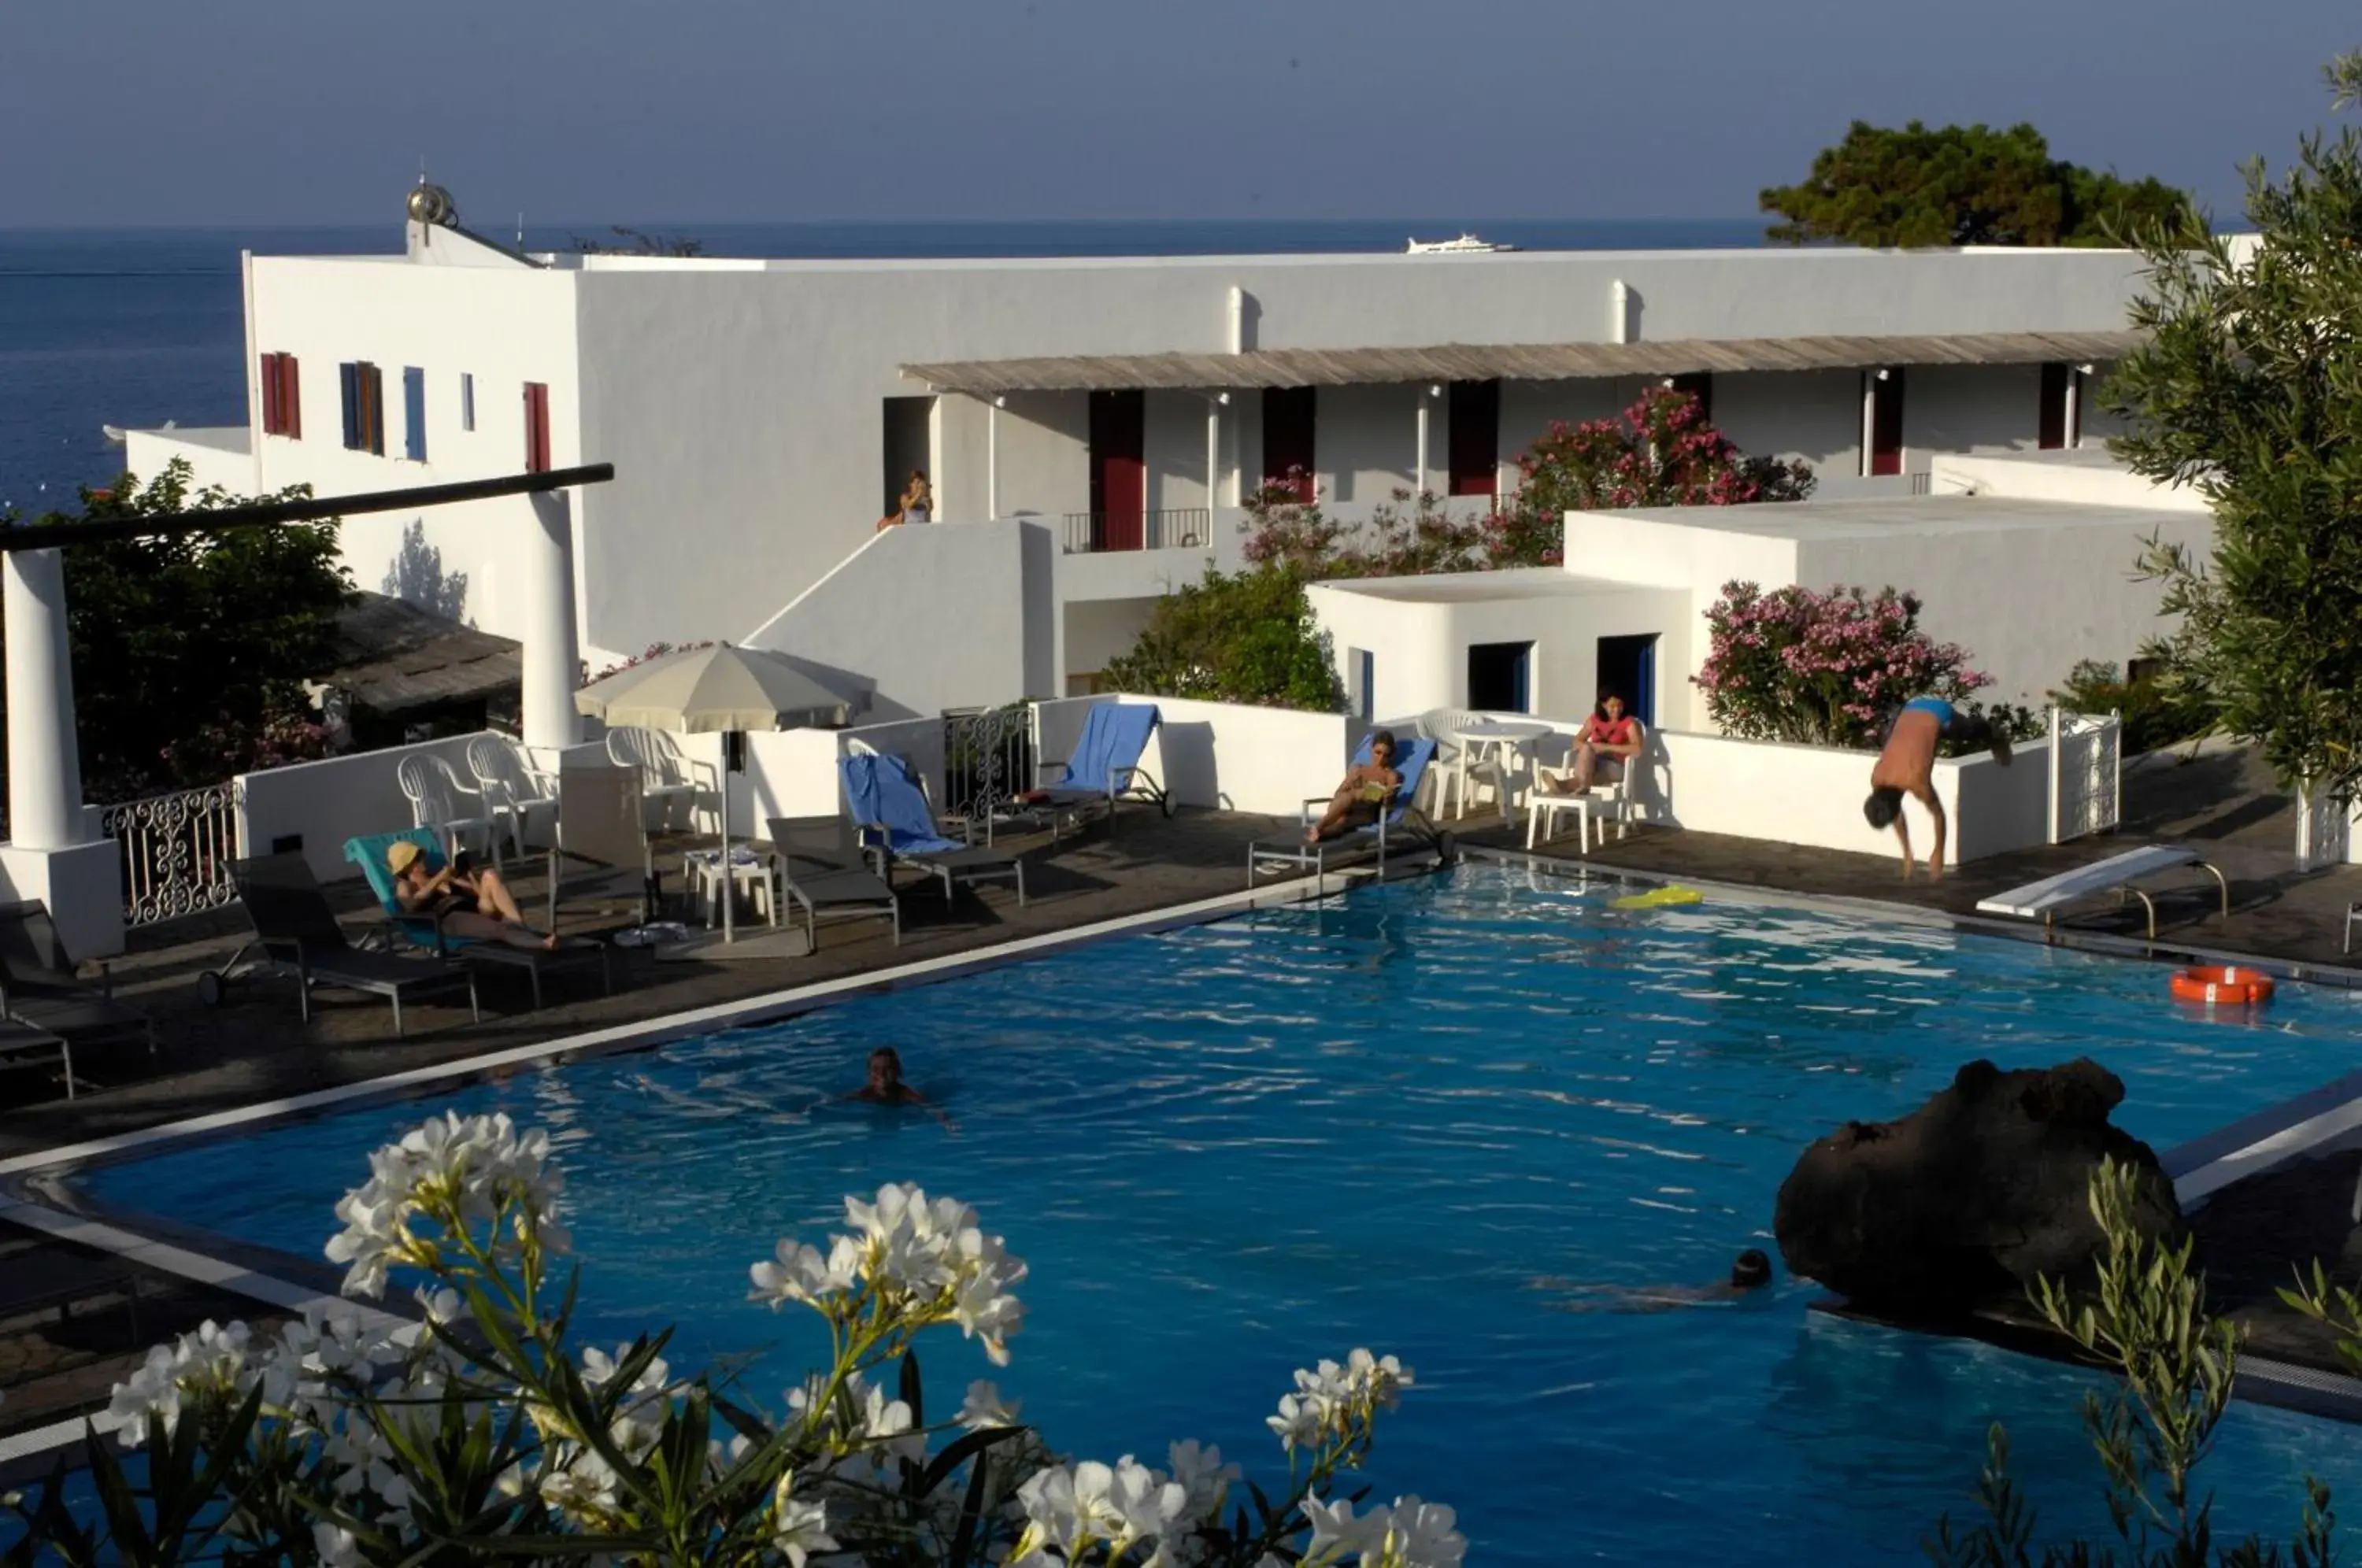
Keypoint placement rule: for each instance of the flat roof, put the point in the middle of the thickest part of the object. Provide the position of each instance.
(1954, 512)
(1512, 362)
(1465, 587)
(233, 438)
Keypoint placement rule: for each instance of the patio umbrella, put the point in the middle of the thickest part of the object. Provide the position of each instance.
(716, 690)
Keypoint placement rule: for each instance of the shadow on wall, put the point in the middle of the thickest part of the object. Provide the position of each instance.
(416, 577)
(1191, 774)
(869, 708)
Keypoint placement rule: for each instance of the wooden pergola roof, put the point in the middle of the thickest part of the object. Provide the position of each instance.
(1516, 362)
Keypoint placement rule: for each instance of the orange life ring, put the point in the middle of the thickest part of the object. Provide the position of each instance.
(2218, 985)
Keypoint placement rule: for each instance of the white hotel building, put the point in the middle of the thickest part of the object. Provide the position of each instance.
(1090, 424)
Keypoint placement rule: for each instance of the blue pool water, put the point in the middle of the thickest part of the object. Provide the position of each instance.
(1231, 1150)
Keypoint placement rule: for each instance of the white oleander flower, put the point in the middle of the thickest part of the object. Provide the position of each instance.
(1331, 1400)
(1420, 1535)
(797, 1527)
(463, 1170)
(638, 1421)
(1149, 1504)
(1203, 1476)
(1299, 1423)
(806, 1274)
(335, 1545)
(1379, 1379)
(984, 1408)
(210, 1365)
(1336, 1531)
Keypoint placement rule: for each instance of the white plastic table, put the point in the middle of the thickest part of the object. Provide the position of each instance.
(754, 870)
(1506, 740)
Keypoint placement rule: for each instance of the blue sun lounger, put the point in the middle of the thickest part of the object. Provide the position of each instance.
(1106, 764)
(890, 811)
(1401, 823)
(426, 931)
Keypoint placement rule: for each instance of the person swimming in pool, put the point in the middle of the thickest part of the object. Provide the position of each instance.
(1749, 1271)
(886, 1085)
(1906, 766)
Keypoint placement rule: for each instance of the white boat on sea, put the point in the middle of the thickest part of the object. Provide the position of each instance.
(1466, 245)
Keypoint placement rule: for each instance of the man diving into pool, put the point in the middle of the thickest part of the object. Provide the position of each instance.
(1906, 765)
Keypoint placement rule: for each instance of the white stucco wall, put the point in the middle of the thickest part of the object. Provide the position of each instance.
(1812, 415)
(328, 802)
(929, 618)
(1099, 630)
(222, 458)
(506, 326)
(1967, 408)
(1221, 756)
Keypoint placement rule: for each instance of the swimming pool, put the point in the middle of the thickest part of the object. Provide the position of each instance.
(1232, 1149)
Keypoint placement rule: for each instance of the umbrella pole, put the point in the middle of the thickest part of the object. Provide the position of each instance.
(729, 872)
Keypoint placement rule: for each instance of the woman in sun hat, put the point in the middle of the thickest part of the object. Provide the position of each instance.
(472, 903)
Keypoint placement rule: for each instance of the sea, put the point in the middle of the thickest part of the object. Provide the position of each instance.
(133, 327)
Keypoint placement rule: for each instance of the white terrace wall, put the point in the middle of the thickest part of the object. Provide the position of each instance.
(326, 802)
(1813, 796)
(1221, 756)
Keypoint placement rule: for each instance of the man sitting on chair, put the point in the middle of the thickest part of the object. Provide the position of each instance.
(1367, 788)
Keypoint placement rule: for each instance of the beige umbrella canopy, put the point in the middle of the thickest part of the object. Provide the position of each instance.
(715, 689)
(722, 688)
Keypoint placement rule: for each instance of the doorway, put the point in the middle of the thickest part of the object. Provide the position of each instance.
(1883, 418)
(1627, 666)
(1500, 677)
(1119, 470)
(907, 437)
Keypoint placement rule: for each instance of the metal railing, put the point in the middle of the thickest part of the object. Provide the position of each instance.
(1174, 528)
(988, 762)
(2086, 774)
(177, 851)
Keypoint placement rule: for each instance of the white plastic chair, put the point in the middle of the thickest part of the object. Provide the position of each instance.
(1613, 802)
(1452, 760)
(664, 776)
(436, 794)
(516, 789)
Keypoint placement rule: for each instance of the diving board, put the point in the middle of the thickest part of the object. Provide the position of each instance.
(2042, 901)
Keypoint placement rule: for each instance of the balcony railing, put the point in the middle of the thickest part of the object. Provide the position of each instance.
(1174, 528)
(177, 851)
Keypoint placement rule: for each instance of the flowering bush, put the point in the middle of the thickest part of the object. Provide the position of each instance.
(354, 1437)
(1828, 669)
(654, 650)
(1662, 451)
(1286, 527)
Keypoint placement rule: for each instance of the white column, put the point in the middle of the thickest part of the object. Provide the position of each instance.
(1419, 479)
(1213, 463)
(1869, 417)
(992, 460)
(44, 760)
(2073, 419)
(1619, 313)
(551, 660)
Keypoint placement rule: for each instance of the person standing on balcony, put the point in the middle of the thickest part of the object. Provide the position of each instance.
(1906, 766)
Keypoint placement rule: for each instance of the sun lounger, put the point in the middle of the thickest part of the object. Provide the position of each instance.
(1106, 764)
(38, 985)
(426, 933)
(821, 868)
(25, 1048)
(2042, 901)
(1402, 820)
(295, 928)
(890, 811)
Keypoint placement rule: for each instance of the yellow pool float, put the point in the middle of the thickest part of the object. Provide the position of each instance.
(1660, 898)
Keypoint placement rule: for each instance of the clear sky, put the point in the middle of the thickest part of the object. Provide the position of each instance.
(171, 112)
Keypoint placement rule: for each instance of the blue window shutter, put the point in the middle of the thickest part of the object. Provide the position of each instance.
(414, 413)
(348, 377)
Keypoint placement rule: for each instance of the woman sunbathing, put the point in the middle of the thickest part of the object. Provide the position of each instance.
(474, 903)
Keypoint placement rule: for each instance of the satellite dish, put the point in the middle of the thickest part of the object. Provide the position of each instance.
(433, 204)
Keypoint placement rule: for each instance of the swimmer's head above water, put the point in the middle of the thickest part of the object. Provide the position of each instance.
(885, 1069)
(1750, 1269)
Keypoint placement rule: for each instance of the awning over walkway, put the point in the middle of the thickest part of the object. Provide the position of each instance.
(1516, 362)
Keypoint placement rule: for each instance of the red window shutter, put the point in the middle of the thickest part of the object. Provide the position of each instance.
(270, 394)
(291, 399)
(536, 428)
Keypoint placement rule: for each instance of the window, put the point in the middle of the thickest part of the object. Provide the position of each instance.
(536, 428)
(413, 413)
(1500, 677)
(282, 402)
(467, 401)
(1475, 437)
(1881, 419)
(1287, 422)
(364, 391)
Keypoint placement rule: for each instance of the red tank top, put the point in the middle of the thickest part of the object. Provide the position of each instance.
(1605, 732)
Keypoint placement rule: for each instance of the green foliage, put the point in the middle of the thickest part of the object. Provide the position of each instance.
(1243, 637)
(188, 651)
(2144, 1320)
(2250, 389)
(1964, 185)
(2154, 706)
